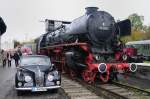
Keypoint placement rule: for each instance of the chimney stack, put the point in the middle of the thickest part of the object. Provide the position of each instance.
(90, 10)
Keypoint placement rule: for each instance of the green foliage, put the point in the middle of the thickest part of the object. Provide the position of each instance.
(136, 35)
(136, 22)
(147, 32)
(139, 31)
(126, 39)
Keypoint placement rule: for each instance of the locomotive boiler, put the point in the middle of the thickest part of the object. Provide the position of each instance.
(89, 46)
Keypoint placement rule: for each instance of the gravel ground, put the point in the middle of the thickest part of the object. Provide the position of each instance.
(137, 82)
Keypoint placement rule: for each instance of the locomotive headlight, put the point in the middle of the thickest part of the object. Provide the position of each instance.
(97, 57)
(50, 77)
(102, 67)
(27, 78)
(133, 67)
(124, 57)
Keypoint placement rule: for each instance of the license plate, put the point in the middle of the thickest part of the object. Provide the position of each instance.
(34, 89)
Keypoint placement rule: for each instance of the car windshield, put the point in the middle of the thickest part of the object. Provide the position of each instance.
(34, 61)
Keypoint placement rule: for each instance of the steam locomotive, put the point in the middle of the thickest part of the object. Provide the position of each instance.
(89, 46)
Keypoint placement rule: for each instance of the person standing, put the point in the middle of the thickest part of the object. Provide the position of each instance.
(19, 52)
(9, 58)
(4, 57)
(16, 58)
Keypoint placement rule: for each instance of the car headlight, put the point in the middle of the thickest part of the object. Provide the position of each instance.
(19, 84)
(97, 57)
(28, 78)
(55, 73)
(58, 82)
(50, 77)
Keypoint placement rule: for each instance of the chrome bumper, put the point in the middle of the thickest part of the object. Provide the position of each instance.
(30, 88)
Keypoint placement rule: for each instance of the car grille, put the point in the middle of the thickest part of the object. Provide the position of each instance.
(39, 79)
(29, 84)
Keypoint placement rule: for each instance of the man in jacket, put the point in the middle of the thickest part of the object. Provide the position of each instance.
(16, 58)
(9, 58)
(4, 57)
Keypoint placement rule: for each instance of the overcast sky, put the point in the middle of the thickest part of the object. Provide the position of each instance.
(23, 16)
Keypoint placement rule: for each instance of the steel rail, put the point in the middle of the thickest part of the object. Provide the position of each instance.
(131, 87)
(100, 91)
(109, 94)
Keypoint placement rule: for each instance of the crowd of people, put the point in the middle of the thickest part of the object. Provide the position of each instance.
(7, 57)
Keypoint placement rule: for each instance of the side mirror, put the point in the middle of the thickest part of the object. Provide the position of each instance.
(124, 27)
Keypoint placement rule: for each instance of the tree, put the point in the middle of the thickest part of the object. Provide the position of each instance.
(147, 32)
(138, 30)
(135, 36)
(136, 22)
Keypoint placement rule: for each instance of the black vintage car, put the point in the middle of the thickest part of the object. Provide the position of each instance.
(36, 73)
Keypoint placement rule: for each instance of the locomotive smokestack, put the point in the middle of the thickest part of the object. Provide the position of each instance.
(91, 9)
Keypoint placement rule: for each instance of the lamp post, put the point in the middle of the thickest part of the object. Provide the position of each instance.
(0, 51)
(0, 42)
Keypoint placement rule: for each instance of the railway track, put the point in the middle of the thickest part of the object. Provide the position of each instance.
(145, 92)
(77, 88)
(74, 90)
(117, 91)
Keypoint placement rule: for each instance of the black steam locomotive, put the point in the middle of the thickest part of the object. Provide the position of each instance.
(89, 45)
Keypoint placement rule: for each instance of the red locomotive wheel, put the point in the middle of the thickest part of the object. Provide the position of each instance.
(88, 76)
(105, 78)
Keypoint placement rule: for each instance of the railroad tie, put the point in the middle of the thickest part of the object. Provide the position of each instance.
(76, 91)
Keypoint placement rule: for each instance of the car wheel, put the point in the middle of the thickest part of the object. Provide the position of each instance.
(19, 93)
